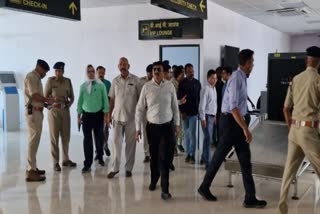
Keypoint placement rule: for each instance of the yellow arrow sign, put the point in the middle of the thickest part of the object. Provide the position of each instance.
(202, 6)
(73, 8)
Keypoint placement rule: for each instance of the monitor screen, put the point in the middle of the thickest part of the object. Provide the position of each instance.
(230, 57)
(7, 78)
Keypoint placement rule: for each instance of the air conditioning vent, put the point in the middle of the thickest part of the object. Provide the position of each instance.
(288, 12)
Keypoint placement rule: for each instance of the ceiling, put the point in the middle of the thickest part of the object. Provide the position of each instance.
(289, 16)
(299, 16)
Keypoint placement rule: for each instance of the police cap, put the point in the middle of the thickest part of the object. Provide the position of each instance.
(59, 65)
(43, 64)
(313, 51)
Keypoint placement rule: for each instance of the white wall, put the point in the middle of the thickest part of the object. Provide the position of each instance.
(105, 34)
(300, 43)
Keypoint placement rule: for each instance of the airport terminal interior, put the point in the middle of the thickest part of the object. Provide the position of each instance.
(117, 36)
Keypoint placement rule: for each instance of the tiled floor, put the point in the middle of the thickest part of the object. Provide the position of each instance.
(70, 192)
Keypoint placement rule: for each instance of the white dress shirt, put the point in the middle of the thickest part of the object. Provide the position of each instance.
(208, 101)
(159, 102)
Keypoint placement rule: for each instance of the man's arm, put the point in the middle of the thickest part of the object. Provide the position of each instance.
(288, 106)
(80, 104)
(112, 97)
(71, 95)
(202, 106)
(140, 112)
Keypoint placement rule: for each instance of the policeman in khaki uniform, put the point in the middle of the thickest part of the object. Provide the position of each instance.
(59, 115)
(35, 102)
(304, 138)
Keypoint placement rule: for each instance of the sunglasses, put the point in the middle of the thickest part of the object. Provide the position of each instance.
(157, 69)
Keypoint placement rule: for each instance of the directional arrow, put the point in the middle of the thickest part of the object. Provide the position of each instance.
(73, 8)
(202, 6)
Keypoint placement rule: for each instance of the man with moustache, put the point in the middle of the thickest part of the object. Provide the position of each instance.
(235, 133)
(124, 95)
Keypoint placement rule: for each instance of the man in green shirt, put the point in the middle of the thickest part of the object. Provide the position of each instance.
(101, 72)
(93, 108)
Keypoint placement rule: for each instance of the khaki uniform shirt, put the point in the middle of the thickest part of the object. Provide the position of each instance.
(126, 94)
(33, 86)
(62, 89)
(304, 96)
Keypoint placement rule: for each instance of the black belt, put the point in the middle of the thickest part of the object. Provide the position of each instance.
(210, 115)
(162, 124)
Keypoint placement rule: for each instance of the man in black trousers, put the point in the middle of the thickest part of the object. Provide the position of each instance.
(234, 132)
(158, 101)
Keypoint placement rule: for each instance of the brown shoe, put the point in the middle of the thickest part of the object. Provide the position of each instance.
(57, 167)
(40, 172)
(112, 174)
(146, 159)
(34, 176)
(69, 163)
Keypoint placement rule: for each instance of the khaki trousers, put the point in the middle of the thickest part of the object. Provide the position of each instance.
(124, 131)
(303, 142)
(34, 127)
(59, 125)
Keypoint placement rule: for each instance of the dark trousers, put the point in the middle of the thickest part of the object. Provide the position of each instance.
(92, 122)
(231, 134)
(106, 137)
(161, 139)
(216, 134)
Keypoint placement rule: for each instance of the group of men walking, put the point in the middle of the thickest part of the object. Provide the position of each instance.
(156, 106)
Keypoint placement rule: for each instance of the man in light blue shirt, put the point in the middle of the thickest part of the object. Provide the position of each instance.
(234, 132)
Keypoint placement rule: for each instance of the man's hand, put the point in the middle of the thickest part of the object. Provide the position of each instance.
(183, 116)
(183, 100)
(177, 130)
(107, 121)
(248, 135)
(79, 120)
(204, 124)
(215, 120)
(50, 101)
(138, 136)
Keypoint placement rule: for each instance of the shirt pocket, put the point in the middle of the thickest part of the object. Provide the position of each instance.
(131, 89)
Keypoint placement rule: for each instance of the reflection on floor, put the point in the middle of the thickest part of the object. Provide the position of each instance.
(69, 192)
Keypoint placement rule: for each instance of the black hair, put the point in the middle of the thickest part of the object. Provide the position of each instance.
(219, 69)
(101, 67)
(174, 67)
(158, 63)
(210, 73)
(228, 70)
(90, 66)
(166, 62)
(149, 68)
(166, 67)
(244, 56)
(177, 72)
(189, 65)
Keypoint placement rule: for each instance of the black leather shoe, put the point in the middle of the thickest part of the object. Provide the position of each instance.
(69, 163)
(188, 158)
(152, 187)
(181, 149)
(258, 204)
(192, 160)
(107, 151)
(96, 158)
(202, 162)
(166, 196)
(146, 159)
(128, 174)
(172, 167)
(57, 167)
(101, 162)
(206, 194)
(86, 170)
(112, 174)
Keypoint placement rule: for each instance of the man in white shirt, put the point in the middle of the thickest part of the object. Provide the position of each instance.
(124, 95)
(158, 100)
(207, 112)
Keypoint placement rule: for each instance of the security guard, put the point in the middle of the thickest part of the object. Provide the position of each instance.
(35, 102)
(304, 139)
(59, 115)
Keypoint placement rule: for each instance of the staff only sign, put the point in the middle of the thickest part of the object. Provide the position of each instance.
(191, 8)
(68, 9)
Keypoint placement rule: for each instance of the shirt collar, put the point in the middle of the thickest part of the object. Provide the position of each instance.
(129, 76)
(242, 73)
(311, 69)
(208, 84)
(162, 82)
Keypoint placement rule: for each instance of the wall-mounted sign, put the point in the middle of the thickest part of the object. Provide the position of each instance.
(69, 9)
(188, 28)
(191, 8)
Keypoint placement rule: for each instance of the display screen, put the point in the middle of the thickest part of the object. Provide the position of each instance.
(230, 57)
(7, 78)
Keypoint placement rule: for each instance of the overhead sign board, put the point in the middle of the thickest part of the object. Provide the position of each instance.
(191, 8)
(68, 9)
(187, 28)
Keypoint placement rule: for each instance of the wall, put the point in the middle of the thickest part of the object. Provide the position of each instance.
(300, 43)
(105, 34)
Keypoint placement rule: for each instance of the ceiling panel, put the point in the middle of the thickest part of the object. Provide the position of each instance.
(306, 14)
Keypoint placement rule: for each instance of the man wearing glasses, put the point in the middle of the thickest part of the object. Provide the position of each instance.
(158, 101)
(93, 109)
(59, 115)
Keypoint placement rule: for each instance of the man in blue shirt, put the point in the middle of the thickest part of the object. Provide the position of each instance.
(234, 132)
